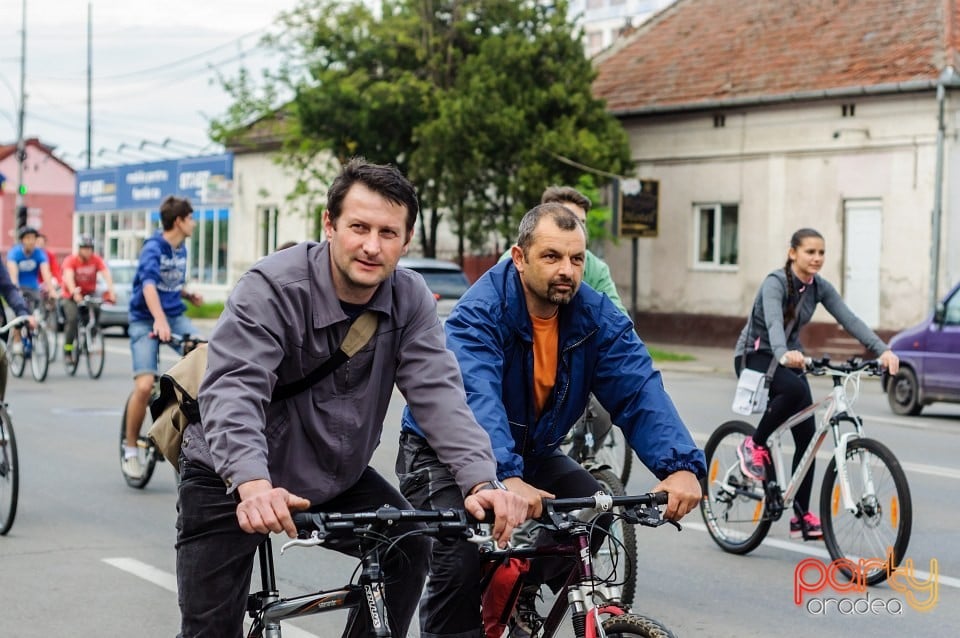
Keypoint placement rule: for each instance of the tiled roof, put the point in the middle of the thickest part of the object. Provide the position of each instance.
(715, 51)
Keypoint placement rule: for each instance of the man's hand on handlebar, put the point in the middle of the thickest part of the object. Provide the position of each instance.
(264, 508)
(684, 494)
(532, 495)
(509, 509)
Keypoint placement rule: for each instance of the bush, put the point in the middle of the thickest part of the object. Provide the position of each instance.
(206, 310)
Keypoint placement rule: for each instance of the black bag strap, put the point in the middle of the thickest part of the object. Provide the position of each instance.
(773, 362)
(361, 330)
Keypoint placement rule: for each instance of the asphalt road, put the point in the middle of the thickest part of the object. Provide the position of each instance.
(88, 556)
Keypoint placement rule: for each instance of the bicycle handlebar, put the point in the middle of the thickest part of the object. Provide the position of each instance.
(14, 323)
(821, 365)
(604, 502)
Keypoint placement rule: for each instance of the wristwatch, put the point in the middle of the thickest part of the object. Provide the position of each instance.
(490, 485)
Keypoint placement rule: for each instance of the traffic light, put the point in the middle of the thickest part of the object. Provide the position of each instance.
(23, 189)
(21, 217)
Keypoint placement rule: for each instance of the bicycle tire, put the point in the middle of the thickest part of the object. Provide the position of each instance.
(70, 365)
(734, 505)
(40, 359)
(95, 350)
(18, 362)
(146, 450)
(9, 473)
(628, 625)
(861, 534)
(50, 327)
(616, 560)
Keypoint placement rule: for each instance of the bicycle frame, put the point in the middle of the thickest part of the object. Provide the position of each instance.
(834, 409)
(268, 609)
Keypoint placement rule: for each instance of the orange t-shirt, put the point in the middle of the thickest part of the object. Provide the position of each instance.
(546, 337)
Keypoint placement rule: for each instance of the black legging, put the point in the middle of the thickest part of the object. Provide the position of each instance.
(789, 393)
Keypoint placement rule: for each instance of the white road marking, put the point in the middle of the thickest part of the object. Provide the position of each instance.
(168, 581)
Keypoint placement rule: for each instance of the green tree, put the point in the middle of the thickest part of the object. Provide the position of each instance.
(477, 101)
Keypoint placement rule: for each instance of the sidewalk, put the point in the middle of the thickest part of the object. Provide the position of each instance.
(705, 360)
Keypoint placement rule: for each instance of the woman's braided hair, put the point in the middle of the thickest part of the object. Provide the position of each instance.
(795, 241)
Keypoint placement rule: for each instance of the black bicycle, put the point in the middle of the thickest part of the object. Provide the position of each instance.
(147, 453)
(9, 463)
(30, 347)
(364, 598)
(591, 594)
(89, 342)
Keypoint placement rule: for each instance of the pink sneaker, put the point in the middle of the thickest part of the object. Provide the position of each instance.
(753, 459)
(808, 527)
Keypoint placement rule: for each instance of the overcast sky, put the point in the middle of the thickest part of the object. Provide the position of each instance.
(152, 75)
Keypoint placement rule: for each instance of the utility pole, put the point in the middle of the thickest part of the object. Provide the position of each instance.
(21, 150)
(89, 83)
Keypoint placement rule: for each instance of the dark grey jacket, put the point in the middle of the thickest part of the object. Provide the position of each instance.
(766, 318)
(282, 321)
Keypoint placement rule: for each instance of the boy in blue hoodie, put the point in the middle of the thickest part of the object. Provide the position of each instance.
(156, 311)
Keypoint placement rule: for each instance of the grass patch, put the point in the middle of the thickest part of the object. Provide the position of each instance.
(206, 310)
(666, 355)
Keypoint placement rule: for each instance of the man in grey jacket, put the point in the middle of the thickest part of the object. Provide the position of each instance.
(253, 461)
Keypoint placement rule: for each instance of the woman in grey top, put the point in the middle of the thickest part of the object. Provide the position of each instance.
(785, 303)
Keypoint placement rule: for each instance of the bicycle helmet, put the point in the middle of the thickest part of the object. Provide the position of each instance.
(85, 241)
(27, 230)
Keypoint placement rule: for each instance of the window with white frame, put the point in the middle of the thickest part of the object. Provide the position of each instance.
(716, 229)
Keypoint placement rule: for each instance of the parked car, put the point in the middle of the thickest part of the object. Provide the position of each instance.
(445, 279)
(929, 360)
(114, 315)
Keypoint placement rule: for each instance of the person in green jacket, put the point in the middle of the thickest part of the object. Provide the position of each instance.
(596, 273)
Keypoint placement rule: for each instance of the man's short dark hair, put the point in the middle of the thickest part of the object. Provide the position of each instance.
(172, 209)
(384, 179)
(565, 194)
(562, 216)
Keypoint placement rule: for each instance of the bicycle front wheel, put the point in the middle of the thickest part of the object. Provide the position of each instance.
(50, 328)
(146, 453)
(629, 625)
(95, 351)
(18, 361)
(9, 473)
(879, 527)
(616, 560)
(612, 450)
(733, 504)
(40, 360)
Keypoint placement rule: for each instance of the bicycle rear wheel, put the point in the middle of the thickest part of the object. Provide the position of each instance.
(50, 327)
(629, 625)
(734, 505)
(9, 473)
(616, 560)
(146, 452)
(95, 350)
(18, 362)
(39, 359)
(884, 514)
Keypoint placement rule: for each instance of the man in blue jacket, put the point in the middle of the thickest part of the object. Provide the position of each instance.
(532, 344)
(156, 311)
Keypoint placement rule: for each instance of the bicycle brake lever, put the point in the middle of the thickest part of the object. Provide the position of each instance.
(648, 516)
(312, 541)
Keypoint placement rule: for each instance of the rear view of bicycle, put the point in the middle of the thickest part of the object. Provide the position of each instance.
(147, 453)
(31, 347)
(9, 463)
(865, 505)
(89, 342)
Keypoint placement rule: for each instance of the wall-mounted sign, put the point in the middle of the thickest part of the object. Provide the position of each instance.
(639, 207)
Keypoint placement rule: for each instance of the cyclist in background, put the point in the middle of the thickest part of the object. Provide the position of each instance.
(25, 264)
(79, 279)
(51, 259)
(789, 297)
(156, 311)
(19, 306)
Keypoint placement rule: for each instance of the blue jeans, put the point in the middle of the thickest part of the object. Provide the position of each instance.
(215, 557)
(146, 349)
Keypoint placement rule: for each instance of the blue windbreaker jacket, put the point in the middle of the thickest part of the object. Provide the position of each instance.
(490, 333)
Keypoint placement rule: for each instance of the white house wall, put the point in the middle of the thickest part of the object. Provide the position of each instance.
(787, 167)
